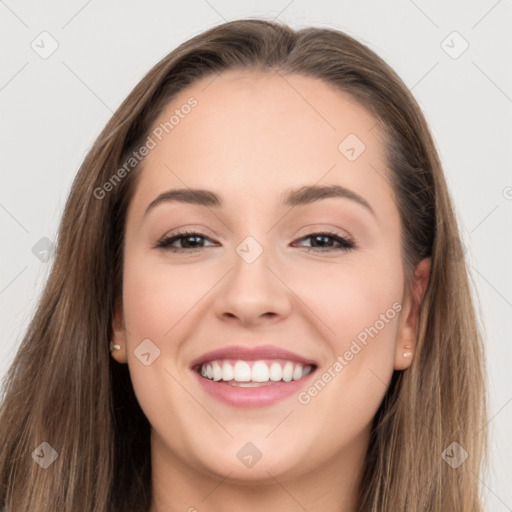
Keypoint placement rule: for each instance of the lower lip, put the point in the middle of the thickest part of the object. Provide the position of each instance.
(252, 397)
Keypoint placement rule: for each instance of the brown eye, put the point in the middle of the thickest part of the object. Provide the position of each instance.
(189, 240)
(321, 242)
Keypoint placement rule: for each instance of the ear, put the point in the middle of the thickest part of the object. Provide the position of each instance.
(408, 329)
(119, 333)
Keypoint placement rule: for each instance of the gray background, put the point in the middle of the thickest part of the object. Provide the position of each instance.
(54, 107)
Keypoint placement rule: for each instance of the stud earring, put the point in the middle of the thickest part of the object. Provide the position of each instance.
(407, 354)
(114, 346)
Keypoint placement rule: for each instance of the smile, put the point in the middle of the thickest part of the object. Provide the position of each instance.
(245, 376)
(253, 373)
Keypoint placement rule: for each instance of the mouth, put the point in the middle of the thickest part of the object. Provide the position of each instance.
(252, 376)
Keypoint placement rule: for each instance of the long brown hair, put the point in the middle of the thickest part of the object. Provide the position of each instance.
(63, 388)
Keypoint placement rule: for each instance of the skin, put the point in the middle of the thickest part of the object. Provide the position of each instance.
(252, 137)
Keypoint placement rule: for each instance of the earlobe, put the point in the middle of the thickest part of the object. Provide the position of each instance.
(408, 329)
(118, 342)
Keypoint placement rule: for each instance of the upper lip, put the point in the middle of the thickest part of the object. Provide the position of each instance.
(244, 353)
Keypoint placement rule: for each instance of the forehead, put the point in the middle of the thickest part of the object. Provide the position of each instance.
(254, 134)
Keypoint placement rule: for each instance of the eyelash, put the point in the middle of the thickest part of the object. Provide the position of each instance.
(165, 243)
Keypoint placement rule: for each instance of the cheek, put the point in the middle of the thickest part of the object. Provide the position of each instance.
(157, 296)
(358, 306)
(158, 305)
(352, 299)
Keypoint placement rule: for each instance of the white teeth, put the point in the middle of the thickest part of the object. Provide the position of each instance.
(288, 372)
(261, 372)
(276, 372)
(217, 371)
(297, 372)
(227, 372)
(242, 371)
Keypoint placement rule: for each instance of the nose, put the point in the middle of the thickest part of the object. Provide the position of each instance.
(253, 293)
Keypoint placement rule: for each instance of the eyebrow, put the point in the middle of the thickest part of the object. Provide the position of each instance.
(301, 196)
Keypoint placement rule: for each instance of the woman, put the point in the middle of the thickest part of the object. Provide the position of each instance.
(263, 237)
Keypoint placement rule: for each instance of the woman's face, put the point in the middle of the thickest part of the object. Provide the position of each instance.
(259, 282)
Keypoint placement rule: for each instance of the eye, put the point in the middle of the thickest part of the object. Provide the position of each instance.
(322, 238)
(191, 241)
